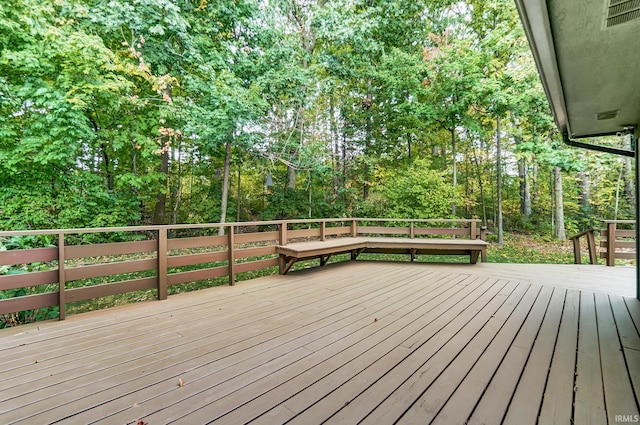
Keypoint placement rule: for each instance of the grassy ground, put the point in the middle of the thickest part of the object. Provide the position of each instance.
(519, 248)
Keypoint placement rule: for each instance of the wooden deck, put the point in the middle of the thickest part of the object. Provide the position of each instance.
(359, 342)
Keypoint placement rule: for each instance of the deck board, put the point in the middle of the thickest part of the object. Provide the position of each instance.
(491, 408)
(558, 397)
(618, 392)
(527, 398)
(360, 342)
(457, 409)
(589, 395)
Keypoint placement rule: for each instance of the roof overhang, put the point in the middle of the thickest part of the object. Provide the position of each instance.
(588, 56)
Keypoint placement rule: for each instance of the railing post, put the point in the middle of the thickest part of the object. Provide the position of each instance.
(231, 246)
(354, 228)
(473, 230)
(283, 233)
(577, 258)
(61, 278)
(591, 244)
(411, 230)
(162, 263)
(323, 230)
(611, 244)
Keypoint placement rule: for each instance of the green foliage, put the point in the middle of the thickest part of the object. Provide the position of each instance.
(418, 192)
(118, 113)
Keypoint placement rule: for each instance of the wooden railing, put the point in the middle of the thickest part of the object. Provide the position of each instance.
(158, 259)
(615, 243)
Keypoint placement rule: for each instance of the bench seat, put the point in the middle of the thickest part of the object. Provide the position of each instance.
(290, 253)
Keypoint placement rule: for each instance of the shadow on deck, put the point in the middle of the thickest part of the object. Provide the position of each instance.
(363, 342)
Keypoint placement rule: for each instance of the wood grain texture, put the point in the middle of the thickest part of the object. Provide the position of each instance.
(359, 342)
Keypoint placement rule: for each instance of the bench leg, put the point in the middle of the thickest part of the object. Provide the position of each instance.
(356, 252)
(324, 259)
(285, 263)
(473, 256)
(413, 254)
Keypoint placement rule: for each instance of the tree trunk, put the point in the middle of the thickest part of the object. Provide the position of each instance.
(161, 201)
(367, 104)
(455, 168)
(525, 188)
(107, 166)
(291, 177)
(239, 192)
(177, 192)
(585, 192)
(629, 186)
(225, 187)
(558, 209)
(335, 148)
(499, 181)
(533, 182)
(481, 186)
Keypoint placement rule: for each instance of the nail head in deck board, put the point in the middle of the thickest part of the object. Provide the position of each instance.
(589, 396)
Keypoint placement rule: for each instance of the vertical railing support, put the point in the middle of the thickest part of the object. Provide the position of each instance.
(473, 230)
(282, 229)
(611, 244)
(162, 263)
(591, 245)
(411, 233)
(61, 278)
(231, 246)
(577, 256)
(354, 228)
(323, 230)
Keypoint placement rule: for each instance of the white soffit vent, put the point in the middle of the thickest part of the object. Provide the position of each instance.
(607, 115)
(621, 11)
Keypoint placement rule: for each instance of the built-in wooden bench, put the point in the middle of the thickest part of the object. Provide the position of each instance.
(468, 241)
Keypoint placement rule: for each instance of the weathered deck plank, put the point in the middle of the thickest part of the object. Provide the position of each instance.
(558, 397)
(363, 342)
(491, 408)
(458, 409)
(589, 399)
(618, 392)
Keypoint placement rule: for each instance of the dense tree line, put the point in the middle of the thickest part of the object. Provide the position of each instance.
(124, 112)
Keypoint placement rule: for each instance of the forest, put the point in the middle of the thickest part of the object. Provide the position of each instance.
(130, 112)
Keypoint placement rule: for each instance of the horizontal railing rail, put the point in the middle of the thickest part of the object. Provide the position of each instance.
(129, 259)
(618, 243)
(615, 243)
